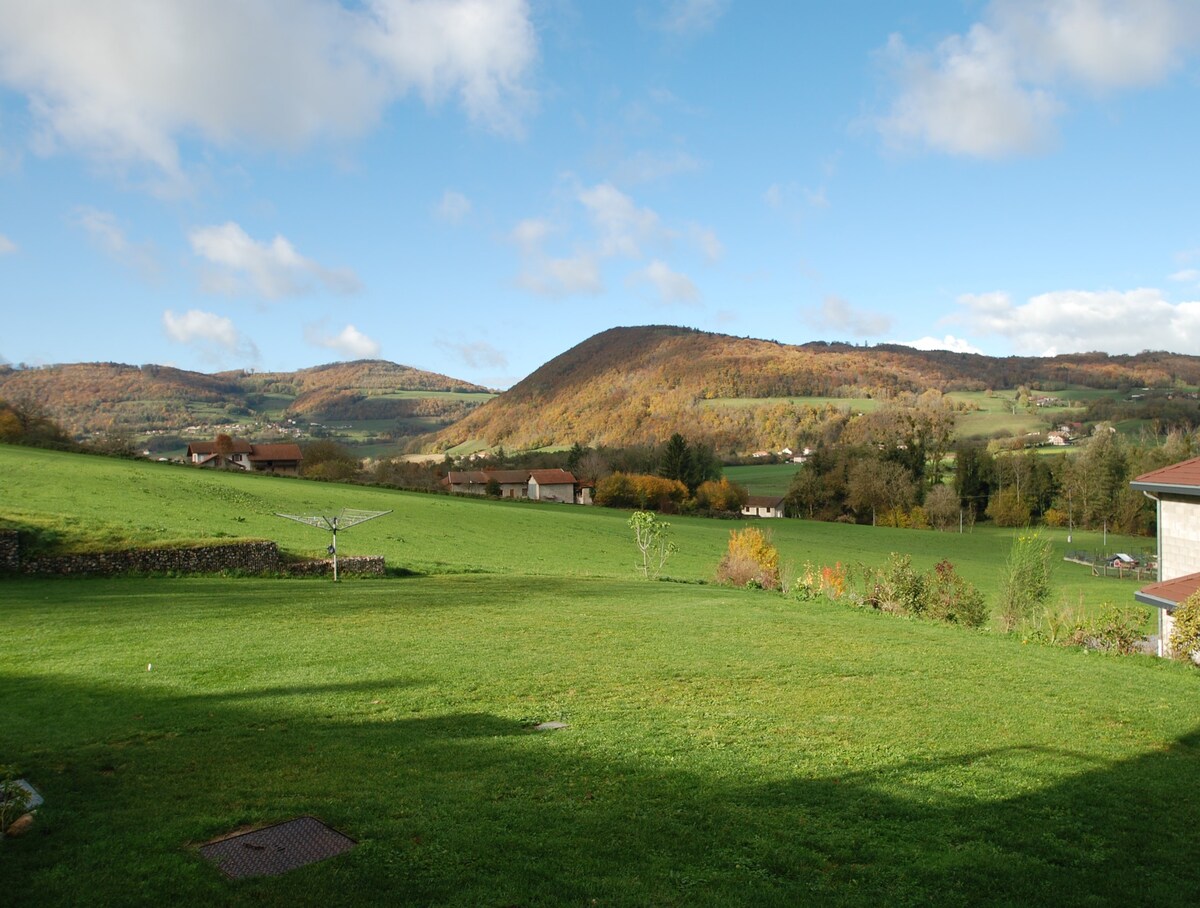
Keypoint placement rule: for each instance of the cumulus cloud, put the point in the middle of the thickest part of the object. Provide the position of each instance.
(672, 287)
(622, 226)
(453, 207)
(690, 17)
(476, 354)
(558, 277)
(105, 232)
(214, 336)
(1074, 321)
(1187, 276)
(272, 270)
(349, 342)
(837, 314)
(707, 242)
(995, 90)
(949, 342)
(276, 73)
(7, 246)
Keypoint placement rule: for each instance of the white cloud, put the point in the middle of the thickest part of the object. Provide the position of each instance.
(707, 242)
(648, 166)
(1073, 321)
(453, 207)
(272, 270)
(476, 354)
(1186, 276)
(276, 73)
(672, 286)
(837, 314)
(530, 233)
(213, 335)
(621, 224)
(7, 246)
(106, 233)
(995, 91)
(690, 17)
(558, 277)
(949, 342)
(349, 342)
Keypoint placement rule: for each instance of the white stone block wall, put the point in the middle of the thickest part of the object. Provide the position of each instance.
(1179, 530)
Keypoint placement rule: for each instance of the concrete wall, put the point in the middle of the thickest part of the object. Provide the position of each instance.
(1179, 532)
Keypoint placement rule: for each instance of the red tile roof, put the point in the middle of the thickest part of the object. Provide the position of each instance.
(1168, 593)
(239, 446)
(1182, 478)
(285, 451)
(552, 477)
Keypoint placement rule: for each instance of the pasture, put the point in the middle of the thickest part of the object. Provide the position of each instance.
(722, 747)
(764, 479)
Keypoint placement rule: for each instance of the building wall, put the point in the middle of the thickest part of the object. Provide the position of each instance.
(552, 492)
(1179, 534)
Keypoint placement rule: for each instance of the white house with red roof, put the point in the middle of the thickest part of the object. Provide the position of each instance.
(240, 454)
(1176, 490)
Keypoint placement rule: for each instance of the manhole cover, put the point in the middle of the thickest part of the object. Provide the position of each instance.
(276, 849)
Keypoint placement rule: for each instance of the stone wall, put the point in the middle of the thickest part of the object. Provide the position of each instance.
(244, 557)
(10, 551)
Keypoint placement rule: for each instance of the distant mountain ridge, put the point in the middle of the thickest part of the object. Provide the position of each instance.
(638, 385)
(97, 397)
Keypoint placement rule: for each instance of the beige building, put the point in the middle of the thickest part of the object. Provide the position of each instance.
(1176, 490)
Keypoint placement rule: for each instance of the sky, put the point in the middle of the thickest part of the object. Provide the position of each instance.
(474, 186)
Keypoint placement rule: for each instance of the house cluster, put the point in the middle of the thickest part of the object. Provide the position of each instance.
(787, 455)
(240, 454)
(535, 485)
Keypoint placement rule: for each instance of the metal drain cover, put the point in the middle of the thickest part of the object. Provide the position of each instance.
(276, 849)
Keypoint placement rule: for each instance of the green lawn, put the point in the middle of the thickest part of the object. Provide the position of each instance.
(723, 748)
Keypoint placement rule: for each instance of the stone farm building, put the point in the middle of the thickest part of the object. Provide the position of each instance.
(243, 455)
(536, 485)
(1176, 490)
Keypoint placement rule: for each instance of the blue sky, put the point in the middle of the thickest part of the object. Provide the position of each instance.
(474, 186)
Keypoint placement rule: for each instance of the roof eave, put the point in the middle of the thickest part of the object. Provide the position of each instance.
(1163, 488)
(1155, 601)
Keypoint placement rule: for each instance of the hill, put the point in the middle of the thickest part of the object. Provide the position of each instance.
(639, 385)
(88, 398)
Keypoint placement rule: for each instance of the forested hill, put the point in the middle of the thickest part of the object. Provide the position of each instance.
(97, 397)
(639, 385)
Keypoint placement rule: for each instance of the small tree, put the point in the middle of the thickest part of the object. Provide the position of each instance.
(650, 533)
(1025, 583)
(1185, 632)
(750, 561)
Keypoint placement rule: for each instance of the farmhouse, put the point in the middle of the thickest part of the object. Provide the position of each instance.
(538, 485)
(240, 454)
(1176, 490)
(552, 485)
(763, 506)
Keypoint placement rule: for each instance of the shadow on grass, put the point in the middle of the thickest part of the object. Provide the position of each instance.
(475, 809)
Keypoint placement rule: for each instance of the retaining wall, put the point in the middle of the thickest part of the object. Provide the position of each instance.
(246, 557)
(10, 552)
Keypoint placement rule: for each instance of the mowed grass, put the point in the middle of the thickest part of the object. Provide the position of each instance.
(722, 748)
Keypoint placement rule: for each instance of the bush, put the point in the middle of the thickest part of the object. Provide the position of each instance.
(14, 800)
(1025, 583)
(952, 599)
(896, 588)
(721, 495)
(750, 561)
(1185, 634)
(1113, 631)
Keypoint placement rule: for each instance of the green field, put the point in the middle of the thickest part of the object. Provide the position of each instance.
(723, 747)
(764, 479)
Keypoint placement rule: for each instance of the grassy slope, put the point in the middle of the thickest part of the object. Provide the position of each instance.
(108, 501)
(764, 479)
(724, 747)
